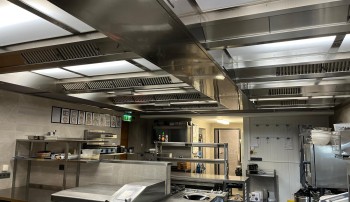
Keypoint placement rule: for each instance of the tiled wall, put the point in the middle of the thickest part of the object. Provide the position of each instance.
(22, 115)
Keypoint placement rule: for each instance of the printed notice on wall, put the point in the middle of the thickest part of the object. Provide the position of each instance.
(254, 142)
(288, 143)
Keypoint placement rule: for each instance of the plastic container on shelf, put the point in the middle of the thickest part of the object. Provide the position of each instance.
(92, 154)
(320, 137)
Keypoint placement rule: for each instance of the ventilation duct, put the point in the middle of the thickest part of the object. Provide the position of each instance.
(115, 84)
(156, 98)
(68, 52)
(330, 67)
(284, 91)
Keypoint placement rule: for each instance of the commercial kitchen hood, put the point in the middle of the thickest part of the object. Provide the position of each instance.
(154, 32)
(173, 72)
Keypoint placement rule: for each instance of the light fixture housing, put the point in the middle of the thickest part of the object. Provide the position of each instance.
(222, 121)
(97, 69)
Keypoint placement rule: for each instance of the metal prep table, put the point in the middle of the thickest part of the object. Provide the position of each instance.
(151, 190)
(211, 180)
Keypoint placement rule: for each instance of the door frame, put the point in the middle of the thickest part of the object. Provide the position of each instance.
(216, 151)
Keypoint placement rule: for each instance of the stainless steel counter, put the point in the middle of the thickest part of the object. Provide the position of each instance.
(179, 197)
(101, 193)
(94, 192)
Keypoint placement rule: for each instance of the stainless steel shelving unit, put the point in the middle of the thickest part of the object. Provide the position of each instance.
(272, 175)
(160, 145)
(29, 158)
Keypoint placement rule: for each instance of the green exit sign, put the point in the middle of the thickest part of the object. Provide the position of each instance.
(127, 117)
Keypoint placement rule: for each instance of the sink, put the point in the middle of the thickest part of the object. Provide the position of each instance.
(196, 197)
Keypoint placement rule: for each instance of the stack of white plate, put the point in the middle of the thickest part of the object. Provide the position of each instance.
(320, 137)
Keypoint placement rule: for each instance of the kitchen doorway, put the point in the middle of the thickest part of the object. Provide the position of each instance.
(232, 136)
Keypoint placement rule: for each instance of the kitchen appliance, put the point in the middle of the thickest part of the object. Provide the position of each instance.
(109, 144)
(322, 169)
(256, 196)
(151, 190)
(253, 168)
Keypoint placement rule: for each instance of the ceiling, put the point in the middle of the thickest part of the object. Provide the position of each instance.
(185, 56)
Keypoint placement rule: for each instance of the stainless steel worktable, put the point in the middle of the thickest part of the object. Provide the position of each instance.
(194, 177)
(211, 180)
(94, 192)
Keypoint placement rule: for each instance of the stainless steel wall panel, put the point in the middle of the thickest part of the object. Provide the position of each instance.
(226, 29)
(309, 18)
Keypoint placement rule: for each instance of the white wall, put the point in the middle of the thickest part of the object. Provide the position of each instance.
(22, 115)
(273, 152)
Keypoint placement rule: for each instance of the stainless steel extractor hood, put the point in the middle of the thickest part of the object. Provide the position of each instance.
(154, 32)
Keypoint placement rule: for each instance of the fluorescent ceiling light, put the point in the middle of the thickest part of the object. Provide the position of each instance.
(278, 98)
(55, 12)
(282, 49)
(11, 14)
(147, 64)
(57, 73)
(222, 121)
(220, 77)
(115, 67)
(18, 25)
(342, 96)
(345, 45)
(322, 97)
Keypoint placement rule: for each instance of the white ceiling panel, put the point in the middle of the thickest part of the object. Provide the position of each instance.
(56, 13)
(115, 67)
(282, 49)
(57, 73)
(18, 25)
(345, 45)
(147, 64)
(210, 5)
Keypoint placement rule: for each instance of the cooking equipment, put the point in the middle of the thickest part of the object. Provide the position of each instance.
(253, 168)
(256, 196)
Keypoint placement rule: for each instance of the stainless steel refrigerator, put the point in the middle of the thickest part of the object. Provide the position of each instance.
(322, 169)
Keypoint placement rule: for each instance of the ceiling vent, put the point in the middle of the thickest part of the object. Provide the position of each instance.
(61, 53)
(284, 91)
(293, 102)
(123, 99)
(41, 56)
(100, 85)
(74, 86)
(79, 51)
(180, 107)
(155, 98)
(330, 67)
(165, 97)
(122, 83)
(144, 98)
(156, 81)
(116, 83)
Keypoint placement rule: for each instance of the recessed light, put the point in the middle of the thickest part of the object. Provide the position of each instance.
(282, 49)
(57, 73)
(220, 77)
(222, 121)
(57, 13)
(115, 67)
